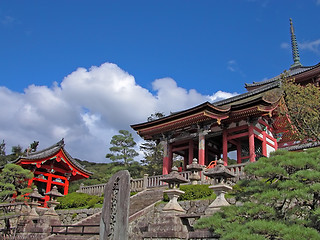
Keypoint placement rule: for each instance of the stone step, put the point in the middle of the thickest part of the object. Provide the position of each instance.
(144, 199)
(138, 202)
(71, 237)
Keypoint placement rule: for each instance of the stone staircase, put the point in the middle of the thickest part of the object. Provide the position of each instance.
(138, 203)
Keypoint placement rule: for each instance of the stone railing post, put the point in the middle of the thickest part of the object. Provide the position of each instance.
(80, 188)
(145, 181)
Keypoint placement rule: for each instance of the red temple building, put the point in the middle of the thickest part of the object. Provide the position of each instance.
(52, 166)
(248, 125)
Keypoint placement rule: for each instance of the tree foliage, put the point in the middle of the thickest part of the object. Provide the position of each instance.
(153, 157)
(122, 149)
(3, 153)
(16, 151)
(32, 148)
(14, 180)
(302, 106)
(280, 200)
(153, 151)
(155, 116)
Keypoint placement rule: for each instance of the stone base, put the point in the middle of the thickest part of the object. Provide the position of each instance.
(37, 225)
(166, 226)
(173, 208)
(220, 200)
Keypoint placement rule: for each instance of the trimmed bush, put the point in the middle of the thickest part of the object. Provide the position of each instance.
(193, 192)
(78, 200)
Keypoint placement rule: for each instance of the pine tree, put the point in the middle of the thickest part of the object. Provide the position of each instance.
(280, 200)
(122, 149)
(153, 151)
(14, 180)
(153, 157)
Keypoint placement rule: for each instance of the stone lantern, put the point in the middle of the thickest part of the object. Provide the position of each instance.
(174, 179)
(194, 167)
(53, 194)
(220, 174)
(34, 196)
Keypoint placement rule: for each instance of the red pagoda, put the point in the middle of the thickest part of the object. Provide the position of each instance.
(248, 125)
(52, 166)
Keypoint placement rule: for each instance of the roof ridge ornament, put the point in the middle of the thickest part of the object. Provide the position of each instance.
(294, 46)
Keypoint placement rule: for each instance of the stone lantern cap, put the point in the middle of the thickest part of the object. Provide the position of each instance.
(54, 192)
(194, 165)
(219, 171)
(174, 177)
(35, 194)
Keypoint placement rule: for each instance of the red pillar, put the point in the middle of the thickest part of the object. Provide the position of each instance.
(190, 151)
(30, 182)
(48, 189)
(225, 146)
(264, 144)
(66, 187)
(165, 165)
(238, 153)
(170, 162)
(202, 143)
(251, 144)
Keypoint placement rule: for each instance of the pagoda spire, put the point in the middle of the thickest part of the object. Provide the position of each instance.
(295, 50)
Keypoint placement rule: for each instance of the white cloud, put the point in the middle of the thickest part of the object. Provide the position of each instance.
(88, 108)
(318, 2)
(7, 20)
(313, 46)
(220, 95)
(285, 45)
(232, 65)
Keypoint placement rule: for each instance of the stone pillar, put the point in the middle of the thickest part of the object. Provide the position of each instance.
(145, 181)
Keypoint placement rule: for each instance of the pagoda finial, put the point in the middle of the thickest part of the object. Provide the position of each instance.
(295, 50)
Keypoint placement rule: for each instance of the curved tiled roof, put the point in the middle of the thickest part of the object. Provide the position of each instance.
(47, 152)
(291, 72)
(302, 146)
(230, 101)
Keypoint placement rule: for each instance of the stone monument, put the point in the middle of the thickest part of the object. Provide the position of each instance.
(115, 212)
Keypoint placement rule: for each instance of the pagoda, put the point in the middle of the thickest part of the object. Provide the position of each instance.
(52, 167)
(248, 125)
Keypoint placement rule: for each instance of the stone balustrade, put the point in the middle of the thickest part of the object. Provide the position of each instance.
(237, 170)
(140, 184)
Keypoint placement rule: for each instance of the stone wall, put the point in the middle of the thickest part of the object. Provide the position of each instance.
(139, 225)
(76, 215)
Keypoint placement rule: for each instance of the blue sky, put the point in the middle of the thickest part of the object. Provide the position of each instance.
(83, 70)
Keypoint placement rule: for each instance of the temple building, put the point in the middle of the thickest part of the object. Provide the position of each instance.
(248, 125)
(52, 166)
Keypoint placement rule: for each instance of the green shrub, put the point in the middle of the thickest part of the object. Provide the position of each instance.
(78, 200)
(192, 192)
(133, 193)
(92, 202)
